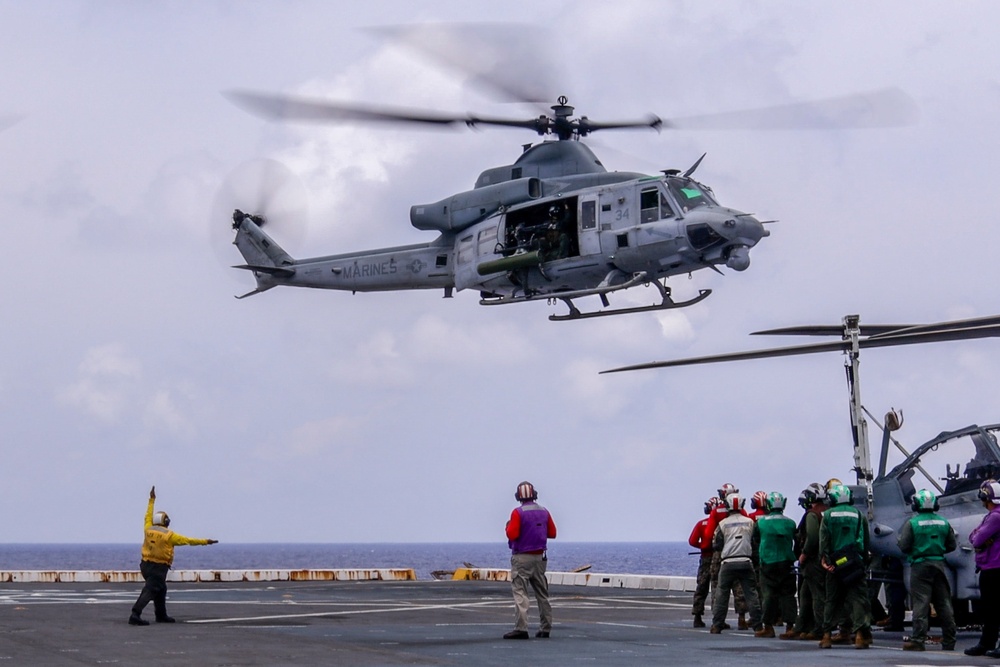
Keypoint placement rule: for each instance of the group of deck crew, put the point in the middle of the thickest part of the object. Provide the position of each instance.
(813, 576)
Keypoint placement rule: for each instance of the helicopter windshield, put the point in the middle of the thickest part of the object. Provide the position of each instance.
(689, 194)
(952, 463)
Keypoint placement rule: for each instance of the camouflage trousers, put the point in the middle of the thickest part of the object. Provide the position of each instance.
(703, 585)
(739, 599)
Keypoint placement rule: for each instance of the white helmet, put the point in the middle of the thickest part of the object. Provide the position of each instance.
(726, 489)
(734, 503)
(161, 519)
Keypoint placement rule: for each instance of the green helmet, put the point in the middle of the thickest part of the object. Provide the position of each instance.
(840, 494)
(924, 501)
(775, 501)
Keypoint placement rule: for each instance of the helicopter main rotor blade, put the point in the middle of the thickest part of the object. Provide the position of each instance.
(889, 107)
(879, 329)
(951, 325)
(736, 356)
(294, 108)
(511, 62)
(831, 330)
(916, 338)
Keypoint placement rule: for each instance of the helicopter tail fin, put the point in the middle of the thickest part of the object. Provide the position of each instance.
(268, 261)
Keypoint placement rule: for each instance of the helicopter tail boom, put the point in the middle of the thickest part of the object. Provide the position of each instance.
(266, 259)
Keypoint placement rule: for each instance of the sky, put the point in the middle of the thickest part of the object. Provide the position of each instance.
(319, 416)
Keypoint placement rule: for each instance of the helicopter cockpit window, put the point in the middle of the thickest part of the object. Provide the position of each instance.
(952, 466)
(702, 236)
(653, 206)
(689, 194)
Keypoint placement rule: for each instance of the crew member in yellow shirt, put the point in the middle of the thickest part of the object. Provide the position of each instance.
(157, 557)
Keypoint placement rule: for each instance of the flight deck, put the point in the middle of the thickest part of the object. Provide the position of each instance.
(395, 623)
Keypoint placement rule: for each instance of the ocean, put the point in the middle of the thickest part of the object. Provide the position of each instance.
(667, 558)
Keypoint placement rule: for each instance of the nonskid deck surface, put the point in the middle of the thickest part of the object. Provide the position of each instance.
(393, 623)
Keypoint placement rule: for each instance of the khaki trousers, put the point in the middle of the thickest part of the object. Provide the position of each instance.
(529, 570)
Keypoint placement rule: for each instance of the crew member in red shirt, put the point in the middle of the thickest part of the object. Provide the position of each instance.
(701, 538)
(528, 531)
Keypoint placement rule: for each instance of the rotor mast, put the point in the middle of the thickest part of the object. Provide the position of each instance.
(859, 426)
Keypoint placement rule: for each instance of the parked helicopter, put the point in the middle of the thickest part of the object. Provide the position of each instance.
(555, 224)
(952, 465)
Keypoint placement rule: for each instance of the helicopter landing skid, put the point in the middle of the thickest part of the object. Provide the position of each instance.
(603, 291)
(667, 304)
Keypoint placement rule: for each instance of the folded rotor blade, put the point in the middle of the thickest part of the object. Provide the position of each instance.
(831, 330)
(952, 325)
(889, 107)
(913, 338)
(738, 356)
(878, 329)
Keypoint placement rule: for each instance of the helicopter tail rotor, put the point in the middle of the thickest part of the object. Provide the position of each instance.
(268, 194)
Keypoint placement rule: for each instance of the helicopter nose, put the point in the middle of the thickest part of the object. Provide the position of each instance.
(739, 258)
(743, 231)
(741, 228)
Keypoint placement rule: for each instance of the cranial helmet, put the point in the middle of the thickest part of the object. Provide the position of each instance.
(813, 493)
(841, 494)
(924, 501)
(525, 491)
(161, 519)
(830, 483)
(758, 500)
(775, 501)
(990, 490)
(734, 503)
(726, 489)
(711, 504)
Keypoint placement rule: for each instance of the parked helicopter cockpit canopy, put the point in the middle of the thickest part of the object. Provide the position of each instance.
(953, 463)
(952, 466)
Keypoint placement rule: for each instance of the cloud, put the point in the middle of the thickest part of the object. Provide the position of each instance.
(590, 392)
(111, 388)
(162, 414)
(317, 442)
(106, 377)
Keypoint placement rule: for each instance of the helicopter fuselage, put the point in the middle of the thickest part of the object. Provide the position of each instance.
(554, 223)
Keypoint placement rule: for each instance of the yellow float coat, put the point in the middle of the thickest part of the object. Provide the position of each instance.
(158, 546)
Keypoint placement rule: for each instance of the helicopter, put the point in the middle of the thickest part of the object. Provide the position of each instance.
(555, 224)
(953, 464)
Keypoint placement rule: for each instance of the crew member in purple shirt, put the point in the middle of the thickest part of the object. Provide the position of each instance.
(985, 539)
(528, 531)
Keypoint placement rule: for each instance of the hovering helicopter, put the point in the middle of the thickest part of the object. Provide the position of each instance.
(953, 464)
(555, 224)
